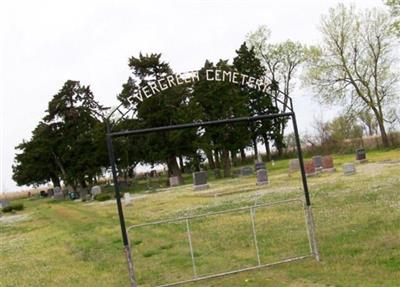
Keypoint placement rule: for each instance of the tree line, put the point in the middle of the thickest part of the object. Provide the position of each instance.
(353, 67)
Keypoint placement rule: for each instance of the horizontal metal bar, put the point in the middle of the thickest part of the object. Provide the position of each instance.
(215, 213)
(199, 124)
(235, 271)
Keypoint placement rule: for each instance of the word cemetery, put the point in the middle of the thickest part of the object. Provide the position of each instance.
(156, 86)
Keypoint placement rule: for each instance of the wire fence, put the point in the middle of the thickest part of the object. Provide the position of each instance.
(188, 249)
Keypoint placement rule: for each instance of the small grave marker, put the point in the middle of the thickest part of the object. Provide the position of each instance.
(58, 194)
(4, 203)
(294, 165)
(173, 181)
(327, 164)
(310, 168)
(317, 160)
(262, 176)
(246, 171)
(95, 190)
(259, 165)
(361, 156)
(349, 169)
(200, 180)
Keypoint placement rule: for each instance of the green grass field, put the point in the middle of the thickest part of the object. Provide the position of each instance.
(79, 243)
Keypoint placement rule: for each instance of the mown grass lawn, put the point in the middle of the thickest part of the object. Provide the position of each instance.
(79, 244)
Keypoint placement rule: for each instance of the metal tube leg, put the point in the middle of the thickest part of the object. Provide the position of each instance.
(311, 232)
(130, 266)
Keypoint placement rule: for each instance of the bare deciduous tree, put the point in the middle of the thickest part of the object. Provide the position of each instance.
(356, 64)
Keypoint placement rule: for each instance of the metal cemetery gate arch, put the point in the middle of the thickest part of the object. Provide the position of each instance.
(123, 113)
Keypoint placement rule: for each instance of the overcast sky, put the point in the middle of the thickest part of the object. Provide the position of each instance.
(45, 43)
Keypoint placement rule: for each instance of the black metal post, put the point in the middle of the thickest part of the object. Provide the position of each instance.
(120, 210)
(301, 160)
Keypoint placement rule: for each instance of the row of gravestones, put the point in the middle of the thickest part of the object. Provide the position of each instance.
(325, 164)
(200, 177)
(57, 193)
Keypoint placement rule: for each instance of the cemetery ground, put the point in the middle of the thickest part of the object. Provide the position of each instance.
(357, 218)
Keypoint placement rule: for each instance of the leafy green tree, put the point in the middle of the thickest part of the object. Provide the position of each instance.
(35, 164)
(355, 65)
(258, 102)
(394, 6)
(169, 107)
(69, 144)
(220, 100)
(344, 127)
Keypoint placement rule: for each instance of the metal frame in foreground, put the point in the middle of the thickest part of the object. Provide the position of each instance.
(291, 114)
(252, 210)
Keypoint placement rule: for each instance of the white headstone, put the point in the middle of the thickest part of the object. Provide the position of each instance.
(95, 190)
(58, 194)
(127, 198)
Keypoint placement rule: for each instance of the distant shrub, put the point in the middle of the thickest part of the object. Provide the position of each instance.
(13, 206)
(102, 197)
(17, 206)
(7, 208)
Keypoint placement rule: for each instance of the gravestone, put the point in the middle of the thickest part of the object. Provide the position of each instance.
(309, 168)
(327, 164)
(50, 192)
(349, 169)
(294, 165)
(200, 180)
(246, 171)
(123, 183)
(259, 165)
(128, 198)
(84, 194)
(58, 194)
(95, 190)
(173, 181)
(4, 203)
(217, 173)
(361, 156)
(72, 195)
(262, 176)
(317, 160)
(43, 193)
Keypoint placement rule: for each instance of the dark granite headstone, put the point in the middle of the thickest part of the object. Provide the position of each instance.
(246, 171)
(259, 165)
(200, 180)
(317, 162)
(43, 193)
(262, 176)
(361, 156)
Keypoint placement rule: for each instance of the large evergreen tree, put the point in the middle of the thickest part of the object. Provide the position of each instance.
(169, 107)
(68, 144)
(258, 102)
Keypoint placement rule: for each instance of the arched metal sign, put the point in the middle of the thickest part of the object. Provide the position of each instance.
(126, 110)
